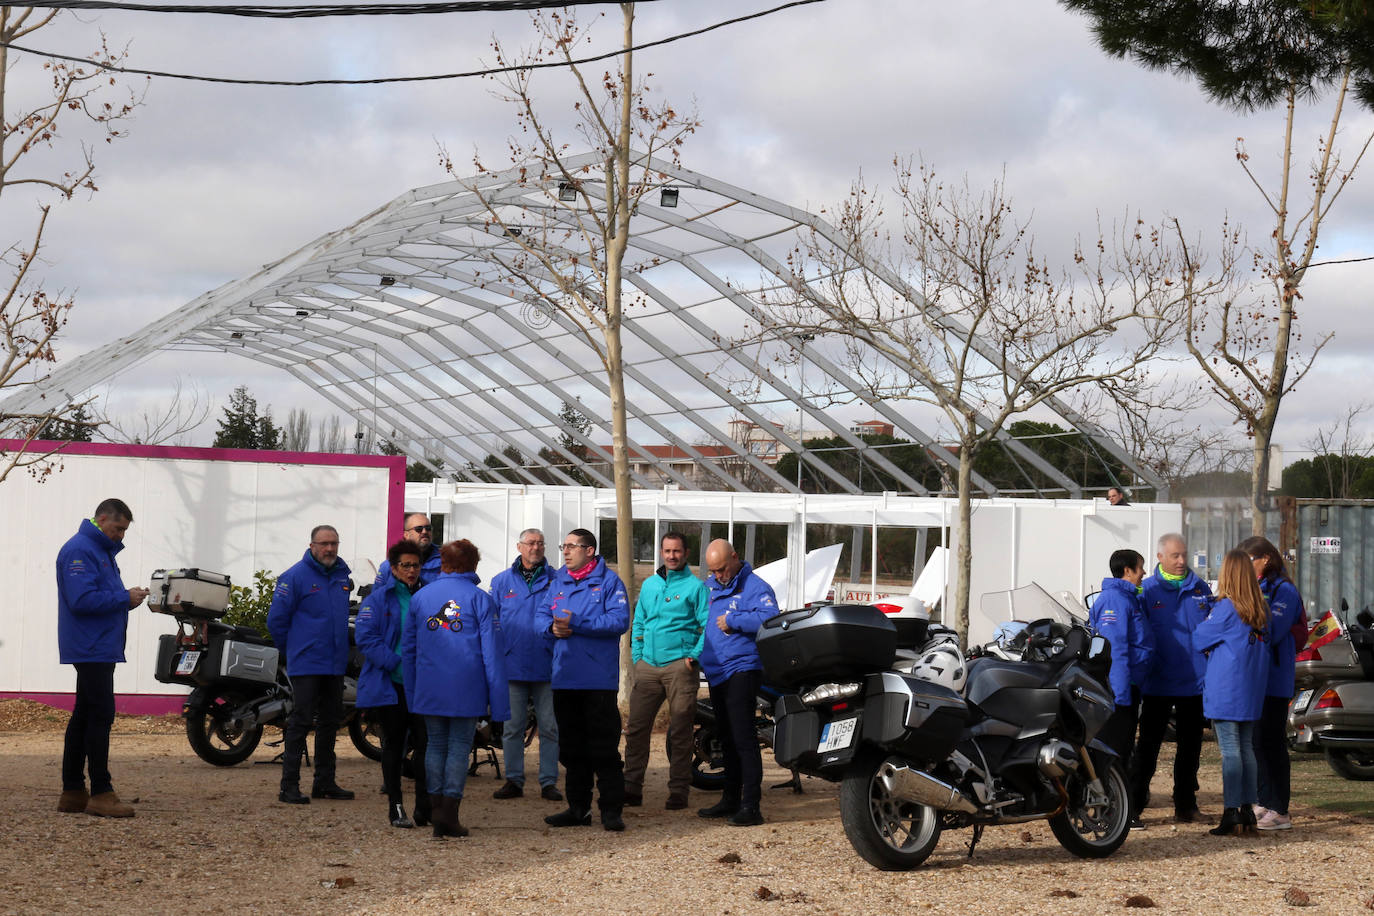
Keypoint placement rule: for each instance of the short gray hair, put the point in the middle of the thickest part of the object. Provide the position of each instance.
(521, 536)
(1165, 539)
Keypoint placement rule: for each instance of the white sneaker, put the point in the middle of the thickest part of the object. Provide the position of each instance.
(1272, 820)
(1260, 811)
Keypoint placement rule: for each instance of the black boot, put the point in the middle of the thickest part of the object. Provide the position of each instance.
(1248, 820)
(455, 826)
(421, 815)
(398, 816)
(291, 795)
(723, 808)
(611, 820)
(1230, 823)
(573, 817)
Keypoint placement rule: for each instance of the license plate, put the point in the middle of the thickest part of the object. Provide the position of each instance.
(1301, 700)
(188, 662)
(837, 734)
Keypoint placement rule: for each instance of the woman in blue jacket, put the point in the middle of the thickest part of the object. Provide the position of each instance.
(1287, 634)
(454, 667)
(1233, 637)
(381, 685)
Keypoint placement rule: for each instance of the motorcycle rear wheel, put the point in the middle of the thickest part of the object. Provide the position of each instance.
(1094, 829)
(888, 833)
(708, 764)
(366, 734)
(1351, 764)
(214, 739)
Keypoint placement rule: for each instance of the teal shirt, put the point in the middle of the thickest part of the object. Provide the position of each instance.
(670, 618)
(403, 599)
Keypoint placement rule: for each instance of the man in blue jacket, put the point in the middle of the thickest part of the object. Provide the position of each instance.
(308, 621)
(1118, 616)
(586, 609)
(1175, 602)
(740, 601)
(92, 622)
(666, 639)
(518, 592)
(418, 531)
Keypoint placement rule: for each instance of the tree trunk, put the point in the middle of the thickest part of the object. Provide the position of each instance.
(964, 564)
(1259, 483)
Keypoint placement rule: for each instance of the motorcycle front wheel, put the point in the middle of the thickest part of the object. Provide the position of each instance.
(1092, 825)
(1351, 763)
(889, 833)
(214, 738)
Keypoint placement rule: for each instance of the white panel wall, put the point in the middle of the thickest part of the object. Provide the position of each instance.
(227, 516)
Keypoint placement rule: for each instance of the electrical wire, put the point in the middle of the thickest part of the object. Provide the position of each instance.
(492, 71)
(310, 11)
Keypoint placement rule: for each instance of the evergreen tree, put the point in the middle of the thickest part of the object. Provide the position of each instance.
(269, 434)
(77, 426)
(238, 428)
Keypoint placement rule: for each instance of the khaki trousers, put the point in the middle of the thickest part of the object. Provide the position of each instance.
(677, 684)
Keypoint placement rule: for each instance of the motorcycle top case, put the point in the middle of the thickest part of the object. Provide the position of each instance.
(189, 592)
(817, 644)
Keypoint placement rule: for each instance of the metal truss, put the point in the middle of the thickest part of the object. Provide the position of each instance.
(436, 322)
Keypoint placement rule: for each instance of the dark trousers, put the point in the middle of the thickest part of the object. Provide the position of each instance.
(312, 695)
(402, 728)
(589, 747)
(87, 743)
(1154, 720)
(1271, 754)
(734, 701)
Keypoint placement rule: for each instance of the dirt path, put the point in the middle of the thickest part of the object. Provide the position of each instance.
(209, 840)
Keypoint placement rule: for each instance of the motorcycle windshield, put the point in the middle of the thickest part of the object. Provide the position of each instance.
(1029, 603)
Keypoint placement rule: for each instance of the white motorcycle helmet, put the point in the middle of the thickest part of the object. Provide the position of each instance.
(942, 664)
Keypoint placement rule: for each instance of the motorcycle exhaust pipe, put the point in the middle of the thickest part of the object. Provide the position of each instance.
(267, 712)
(916, 786)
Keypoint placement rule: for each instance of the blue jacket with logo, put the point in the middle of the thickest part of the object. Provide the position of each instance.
(670, 618)
(529, 647)
(1173, 615)
(749, 601)
(1117, 615)
(1237, 663)
(92, 602)
(377, 632)
(599, 612)
(429, 570)
(308, 618)
(451, 653)
(1287, 633)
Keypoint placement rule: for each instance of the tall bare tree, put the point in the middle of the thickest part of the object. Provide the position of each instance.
(955, 308)
(295, 432)
(571, 260)
(181, 412)
(61, 109)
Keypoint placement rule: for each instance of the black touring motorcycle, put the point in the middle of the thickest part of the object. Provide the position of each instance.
(1007, 736)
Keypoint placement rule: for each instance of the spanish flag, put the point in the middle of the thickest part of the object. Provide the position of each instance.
(1326, 630)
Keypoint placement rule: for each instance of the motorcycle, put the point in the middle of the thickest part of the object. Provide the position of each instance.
(1333, 711)
(1003, 737)
(708, 759)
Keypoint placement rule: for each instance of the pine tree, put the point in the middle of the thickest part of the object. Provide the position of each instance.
(78, 426)
(239, 426)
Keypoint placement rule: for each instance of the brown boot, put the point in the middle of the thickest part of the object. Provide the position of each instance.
(455, 826)
(436, 814)
(73, 801)
(107, 804)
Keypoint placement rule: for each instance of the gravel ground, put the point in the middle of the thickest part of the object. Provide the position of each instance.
(210, 840)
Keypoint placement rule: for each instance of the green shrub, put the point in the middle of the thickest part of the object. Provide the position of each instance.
(248, 605)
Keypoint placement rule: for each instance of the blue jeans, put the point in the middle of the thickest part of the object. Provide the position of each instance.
(522, 693)
(1239, 775)
(446, 756)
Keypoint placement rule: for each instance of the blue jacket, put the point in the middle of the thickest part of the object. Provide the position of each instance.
(1287, 632)
(451, 652)
(1238, 660)
(529, 647)
(429, 570)
(599, 612)
(749, 601)
(308, 618)
(377, 631)
(1117, 615)
(670, 618)
(92, 602)
(1173, 614)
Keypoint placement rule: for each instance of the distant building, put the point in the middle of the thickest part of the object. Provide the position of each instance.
(871, 428)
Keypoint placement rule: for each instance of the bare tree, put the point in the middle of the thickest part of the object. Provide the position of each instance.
(295, 433)
(960, 312)
(1344, 451)
(571, 258)
(180, 414)
(79, 97)
(333, 439)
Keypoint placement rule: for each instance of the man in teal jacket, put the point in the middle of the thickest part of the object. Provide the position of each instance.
(669, 626)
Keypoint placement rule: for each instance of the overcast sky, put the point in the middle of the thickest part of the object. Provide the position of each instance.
(214, 181)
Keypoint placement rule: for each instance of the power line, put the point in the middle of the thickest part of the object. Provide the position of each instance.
(133, 71)
(310, 11)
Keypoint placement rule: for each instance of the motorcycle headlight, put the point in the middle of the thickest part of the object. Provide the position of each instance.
(826, 693)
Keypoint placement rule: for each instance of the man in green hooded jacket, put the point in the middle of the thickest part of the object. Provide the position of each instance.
(669, 623)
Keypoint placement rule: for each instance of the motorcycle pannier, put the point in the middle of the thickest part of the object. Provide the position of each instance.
(825, 643)
(234, 663)
(189, 592)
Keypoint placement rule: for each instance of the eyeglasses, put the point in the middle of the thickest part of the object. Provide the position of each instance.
(408, 566)
(421, 528)
(325, 543)
(532, 543)
(567, 547)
